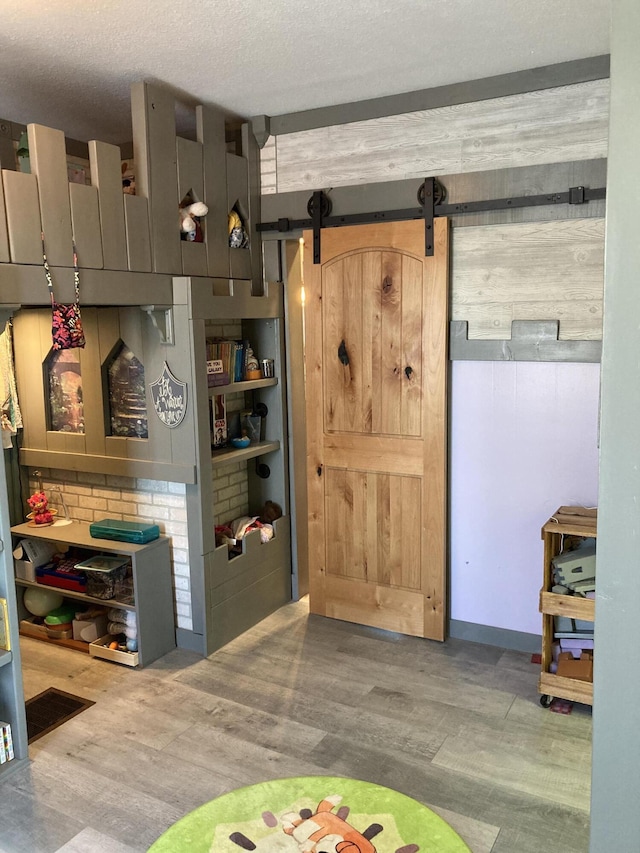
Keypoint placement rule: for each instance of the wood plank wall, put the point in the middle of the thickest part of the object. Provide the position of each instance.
(529, 271)
(500, 272)
(554, 125)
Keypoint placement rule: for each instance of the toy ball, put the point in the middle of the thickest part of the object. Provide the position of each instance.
(41, 602)
(132, 645)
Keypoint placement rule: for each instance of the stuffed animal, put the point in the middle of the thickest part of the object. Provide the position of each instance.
(233, 533)
(238, 237)
(190, 215)
(41, 514)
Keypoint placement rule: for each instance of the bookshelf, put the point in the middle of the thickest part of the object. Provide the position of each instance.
(566, 521)
(152, 592)
(237, 593)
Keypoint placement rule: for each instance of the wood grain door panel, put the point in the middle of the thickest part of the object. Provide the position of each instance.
(376, 321)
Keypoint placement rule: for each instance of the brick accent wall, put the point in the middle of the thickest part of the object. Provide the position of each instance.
(90, 497)
(230, 483)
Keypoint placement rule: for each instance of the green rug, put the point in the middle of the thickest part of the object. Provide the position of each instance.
(311, 814)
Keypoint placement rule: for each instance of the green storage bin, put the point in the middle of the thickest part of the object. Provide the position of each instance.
(124, 531)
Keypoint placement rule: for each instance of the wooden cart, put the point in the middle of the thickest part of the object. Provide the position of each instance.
(566, 521)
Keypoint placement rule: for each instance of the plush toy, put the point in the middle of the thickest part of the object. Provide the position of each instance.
(190, 227)
(232, 534)
(238, 237)
(41, 514)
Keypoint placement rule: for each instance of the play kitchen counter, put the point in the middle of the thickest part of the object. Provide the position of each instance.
(147, 602)
(575, 522)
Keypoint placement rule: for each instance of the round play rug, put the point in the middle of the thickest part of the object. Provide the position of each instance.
(311, 814)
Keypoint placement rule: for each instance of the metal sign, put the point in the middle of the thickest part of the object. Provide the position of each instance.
(169, 398)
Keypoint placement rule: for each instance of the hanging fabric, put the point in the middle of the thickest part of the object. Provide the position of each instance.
(10, 415)
(66, 327)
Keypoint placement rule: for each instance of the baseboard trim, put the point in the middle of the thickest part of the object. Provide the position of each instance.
(190, 641)
(517, 641)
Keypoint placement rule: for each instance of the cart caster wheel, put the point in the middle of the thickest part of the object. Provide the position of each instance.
(546, 700)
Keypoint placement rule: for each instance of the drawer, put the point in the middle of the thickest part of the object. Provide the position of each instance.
(100, 649)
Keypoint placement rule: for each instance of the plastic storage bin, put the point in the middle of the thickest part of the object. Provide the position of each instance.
(124, 531)
(104, 573)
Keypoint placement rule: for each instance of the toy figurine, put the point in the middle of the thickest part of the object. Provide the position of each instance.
(190, 215)
(41, 514)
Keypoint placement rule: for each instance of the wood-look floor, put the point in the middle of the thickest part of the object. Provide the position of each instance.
(457, 726)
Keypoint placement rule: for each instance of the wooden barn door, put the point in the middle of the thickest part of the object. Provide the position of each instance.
(376, 341)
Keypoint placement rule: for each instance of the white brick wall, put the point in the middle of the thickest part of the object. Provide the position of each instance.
(90, 497)
(230, 492)
(230, 483)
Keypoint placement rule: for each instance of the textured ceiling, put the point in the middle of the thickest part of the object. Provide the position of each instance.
(69, 64)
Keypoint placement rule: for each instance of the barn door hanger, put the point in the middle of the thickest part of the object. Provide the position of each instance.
(318, 208)
(430, 193)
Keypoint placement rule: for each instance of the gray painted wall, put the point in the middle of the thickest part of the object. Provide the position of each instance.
(615, 818)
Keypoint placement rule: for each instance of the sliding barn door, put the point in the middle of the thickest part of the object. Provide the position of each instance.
(376, 359)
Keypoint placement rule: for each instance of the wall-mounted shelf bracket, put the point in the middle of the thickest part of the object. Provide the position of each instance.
(162, 319)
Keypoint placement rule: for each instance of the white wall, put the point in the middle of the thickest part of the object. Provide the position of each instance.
(523, 443)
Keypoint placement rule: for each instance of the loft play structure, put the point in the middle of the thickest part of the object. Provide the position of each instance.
(144, 287)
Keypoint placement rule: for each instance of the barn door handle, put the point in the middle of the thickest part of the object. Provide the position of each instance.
(343, 355)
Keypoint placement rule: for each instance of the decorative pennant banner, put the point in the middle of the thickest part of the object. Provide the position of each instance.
(169, 398)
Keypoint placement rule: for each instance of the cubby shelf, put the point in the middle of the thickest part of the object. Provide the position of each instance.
(5, 657)
(151, 575)
(567, 521)
(81, 596)
(239, 387)
(232, 454)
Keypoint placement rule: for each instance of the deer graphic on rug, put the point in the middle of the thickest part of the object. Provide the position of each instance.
(319, 832)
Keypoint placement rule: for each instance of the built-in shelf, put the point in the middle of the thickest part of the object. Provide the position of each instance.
(233, 454)
(5, 657)
(81, 596)
(239, 387)
(573, 606)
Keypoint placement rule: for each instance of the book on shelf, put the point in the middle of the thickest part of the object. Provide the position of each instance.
(216, 374)
(5, 635)
(6, 743)
(219, 421)
(230, 354)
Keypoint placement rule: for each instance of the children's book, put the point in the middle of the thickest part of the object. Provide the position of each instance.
(5, 640)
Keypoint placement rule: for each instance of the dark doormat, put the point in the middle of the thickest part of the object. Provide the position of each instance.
(51, 709)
